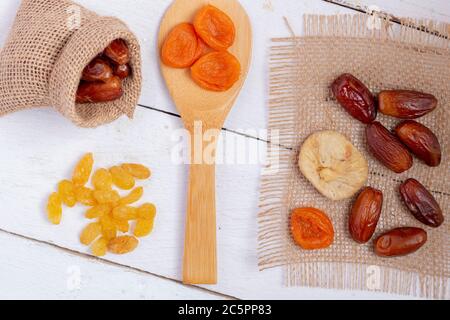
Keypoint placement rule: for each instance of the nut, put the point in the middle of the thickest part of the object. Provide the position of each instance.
(365, 214)
(400, 242)
(93, 92)
(97, 70)
(421, 141)
(387, 148)
(355, 97)
(406, 104)
(421, 203)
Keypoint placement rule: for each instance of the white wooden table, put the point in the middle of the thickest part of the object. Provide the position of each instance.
(39, 147)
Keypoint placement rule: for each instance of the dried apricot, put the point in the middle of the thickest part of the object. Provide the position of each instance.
(121, 178)
(132, 197)
(102, 180)
(54, 208)
(98, 211)
(66, 191)
(109, 229)
(202, 49)
(100, 247)
(215, 27)
(85, 196)
(180, 47)
(125, 213)
(90, 233)
(311, 228)
(106, 196)
(123, 244)
(147, 211)
(143, 228)
(83, 170)
(216, 71)
(138, 171)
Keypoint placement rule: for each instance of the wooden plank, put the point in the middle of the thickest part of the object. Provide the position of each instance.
(33, 270)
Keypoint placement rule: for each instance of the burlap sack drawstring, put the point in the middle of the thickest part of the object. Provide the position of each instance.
(383, 56)
(43, 59)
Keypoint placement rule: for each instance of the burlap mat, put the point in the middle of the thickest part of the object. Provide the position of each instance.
(301, 71)
(48, 47)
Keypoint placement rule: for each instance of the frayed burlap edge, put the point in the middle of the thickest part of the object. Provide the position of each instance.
(274, 195)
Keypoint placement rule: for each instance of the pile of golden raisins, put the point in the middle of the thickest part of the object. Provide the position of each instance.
(112, 214)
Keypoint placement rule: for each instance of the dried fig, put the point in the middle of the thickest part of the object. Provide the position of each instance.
(355, 97)
(406, 104)
(421, 203)
(387, 148)
(421, 141)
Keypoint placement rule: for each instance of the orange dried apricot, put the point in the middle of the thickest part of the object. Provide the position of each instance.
(106, 196)
(147, 211)
(138, 171)
(216, 71)
(311, 228)
(83, 170)
(143, 228)
(125, 213)
(215, 27)
(85, 196)
(90, 233)
(54, 208)
(100, 247)
(121, 178)
(123, 244)
(66, 191)
(180, 47)
(132, 197)
(202, 49)
(98, 211)
(102, 180)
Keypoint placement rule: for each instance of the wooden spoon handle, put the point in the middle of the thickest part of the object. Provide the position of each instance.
(200, 262)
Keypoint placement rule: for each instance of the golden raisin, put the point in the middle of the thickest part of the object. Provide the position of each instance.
(133, 196)
(125, 213)
(106, 196)
(98, 211)
(54, 208)
(147, 211)
(66, 191)
(138, 171)
(109, 229)
(90, 233)
(102, 180)
(143, 228)
(122, 225)
(100, 247)
(83, 170)
(121, 178)
(123, 244)
(85, 196)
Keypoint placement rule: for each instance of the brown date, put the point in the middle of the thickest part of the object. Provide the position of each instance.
(93, 92)
(365, 214)
(421, 141)
(387, 148)
(97, 70)
(118, 52)
(406, 104)
(400, 242)
(355, 97)
(421, 203)
(122, 70)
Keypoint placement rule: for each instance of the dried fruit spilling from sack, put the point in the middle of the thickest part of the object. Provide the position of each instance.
(113, 215)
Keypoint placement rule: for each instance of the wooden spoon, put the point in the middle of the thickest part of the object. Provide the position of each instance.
(203, 113)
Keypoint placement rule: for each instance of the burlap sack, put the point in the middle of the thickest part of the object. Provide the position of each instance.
(387, 56)
(41, 63)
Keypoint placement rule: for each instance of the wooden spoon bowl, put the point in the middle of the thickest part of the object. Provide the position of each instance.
(203, 112)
